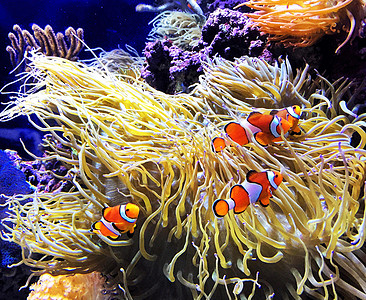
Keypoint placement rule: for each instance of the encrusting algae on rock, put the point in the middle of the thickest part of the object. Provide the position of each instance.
(131, 143)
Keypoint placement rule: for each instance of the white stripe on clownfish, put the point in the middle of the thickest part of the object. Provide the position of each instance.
(122, 212)
(271, 176)
(273, 126)
(291, 111)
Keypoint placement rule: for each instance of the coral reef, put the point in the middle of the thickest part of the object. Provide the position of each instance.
(45, 41)
(169, 68)
(136, 144)
(231, 35)
(302, 23)
(48, 174)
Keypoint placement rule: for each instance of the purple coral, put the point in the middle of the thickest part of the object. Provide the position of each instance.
(48, 175)
(231, 34)
(158, 60)
(169, 68)
(230, 4)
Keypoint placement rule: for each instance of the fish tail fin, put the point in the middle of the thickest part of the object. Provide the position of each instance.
(220, 208)
(218, 144)
(96, 226)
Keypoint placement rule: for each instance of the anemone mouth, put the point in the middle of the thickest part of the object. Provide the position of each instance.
(126, 142)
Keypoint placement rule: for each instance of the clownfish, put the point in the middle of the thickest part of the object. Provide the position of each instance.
(292, 115)
(117, 220)
(265, 129)
(257, 187)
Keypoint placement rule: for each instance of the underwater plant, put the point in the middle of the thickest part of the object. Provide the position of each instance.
(133, 144)
(302, 23)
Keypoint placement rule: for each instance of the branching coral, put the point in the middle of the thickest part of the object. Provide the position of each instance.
(302, 23)
(45, 41)
(134, 144)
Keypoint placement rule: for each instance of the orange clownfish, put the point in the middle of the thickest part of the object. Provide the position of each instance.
(292, 115)
(265, 129)
(117, 220)
(257, 187)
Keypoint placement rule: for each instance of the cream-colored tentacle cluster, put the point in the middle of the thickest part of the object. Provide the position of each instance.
(131, 143)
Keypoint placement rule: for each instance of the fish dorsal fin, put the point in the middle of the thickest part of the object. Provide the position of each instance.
(253, 116)
(251, 175)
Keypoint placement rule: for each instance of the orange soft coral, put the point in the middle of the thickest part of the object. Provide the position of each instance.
(301, 23)
(68, 287)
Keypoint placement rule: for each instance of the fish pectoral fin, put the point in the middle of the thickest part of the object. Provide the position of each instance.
(265, 201)
(295, 131)
(269, 190)
(263, 139)
(254, 116)
(115, 226)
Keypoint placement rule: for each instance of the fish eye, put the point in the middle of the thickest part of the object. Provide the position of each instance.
(127, 209)
(276, 176)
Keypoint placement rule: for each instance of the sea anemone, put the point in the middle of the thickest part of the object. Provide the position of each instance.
(183, 29)
(302, 23)
(131, 143)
